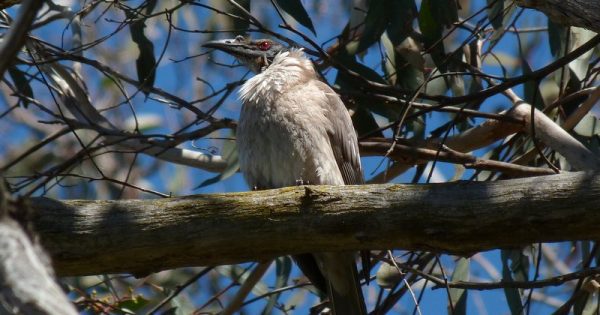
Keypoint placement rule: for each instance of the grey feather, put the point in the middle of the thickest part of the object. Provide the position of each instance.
(343, 138)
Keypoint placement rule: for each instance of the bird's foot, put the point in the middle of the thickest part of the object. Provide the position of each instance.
(300, 182)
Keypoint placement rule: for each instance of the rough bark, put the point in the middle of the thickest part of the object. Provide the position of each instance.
(27, 284)
(142, 236)
(581, 13)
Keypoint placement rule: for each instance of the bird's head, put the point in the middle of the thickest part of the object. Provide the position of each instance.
(255, 54)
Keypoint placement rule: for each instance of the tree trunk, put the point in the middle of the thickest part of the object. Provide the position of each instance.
(27, 283)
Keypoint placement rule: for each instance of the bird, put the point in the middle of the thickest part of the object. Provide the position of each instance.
(293, 130)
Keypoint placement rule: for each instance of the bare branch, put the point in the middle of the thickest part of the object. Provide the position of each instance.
(14, 40)
(141, 236)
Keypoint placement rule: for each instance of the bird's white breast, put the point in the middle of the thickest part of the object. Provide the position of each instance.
(282, 133)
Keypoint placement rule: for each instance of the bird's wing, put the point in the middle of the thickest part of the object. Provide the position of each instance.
(343, 138)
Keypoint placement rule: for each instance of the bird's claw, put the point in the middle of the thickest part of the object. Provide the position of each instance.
(300, 182)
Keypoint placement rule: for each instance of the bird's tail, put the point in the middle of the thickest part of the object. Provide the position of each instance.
(343, 285)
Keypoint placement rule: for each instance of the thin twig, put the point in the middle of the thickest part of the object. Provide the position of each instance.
(238, 300)
(178, 290)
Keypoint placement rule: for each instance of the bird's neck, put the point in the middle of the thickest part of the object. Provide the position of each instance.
(287, 70)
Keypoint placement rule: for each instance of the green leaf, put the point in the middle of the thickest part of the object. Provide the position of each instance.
(505, 16)
(389, 62)
(403, 64)
(446, 12)
(458, 297)
(557, 38)
(146, 62)
(589, 126)
(401, 25)
(180, 305)
(431, 28)
(437, 86)
(239, 25)
(283, 268)
(21, 83)
(388, 276)
(132, 304)
(409, 77)
(580, 65)
(346, 82)
(296, 10)
(365, 123)
(433, 17)
(515, 267)
(494, 12)
(457, 83)
(376, 21)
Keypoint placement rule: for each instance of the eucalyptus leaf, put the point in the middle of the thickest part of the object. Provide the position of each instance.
(365, 123)
(406, 73)
(437, 86)
(146, 62)
(458, 297)
(389, 62)
(132, 304)
(296, 10)
(515, 267)
(283, 269)
(401, 24)
(240, 25)
(346, 82)
(589, 126)
(557, 38)
(21, 83)
(376, 21)
(388, 276)
(508, 9)
(580, 65)
(494, 12)
(434, 16)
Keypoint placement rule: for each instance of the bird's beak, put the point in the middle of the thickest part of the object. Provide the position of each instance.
(234, 47)
(245, 51)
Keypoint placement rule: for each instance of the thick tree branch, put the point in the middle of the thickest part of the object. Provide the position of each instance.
(142, 236)
(27, 284)
(581, 13)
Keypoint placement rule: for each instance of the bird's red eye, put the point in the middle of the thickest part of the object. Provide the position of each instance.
(264, 45)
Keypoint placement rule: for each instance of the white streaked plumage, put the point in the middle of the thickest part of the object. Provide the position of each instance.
(286, 101)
